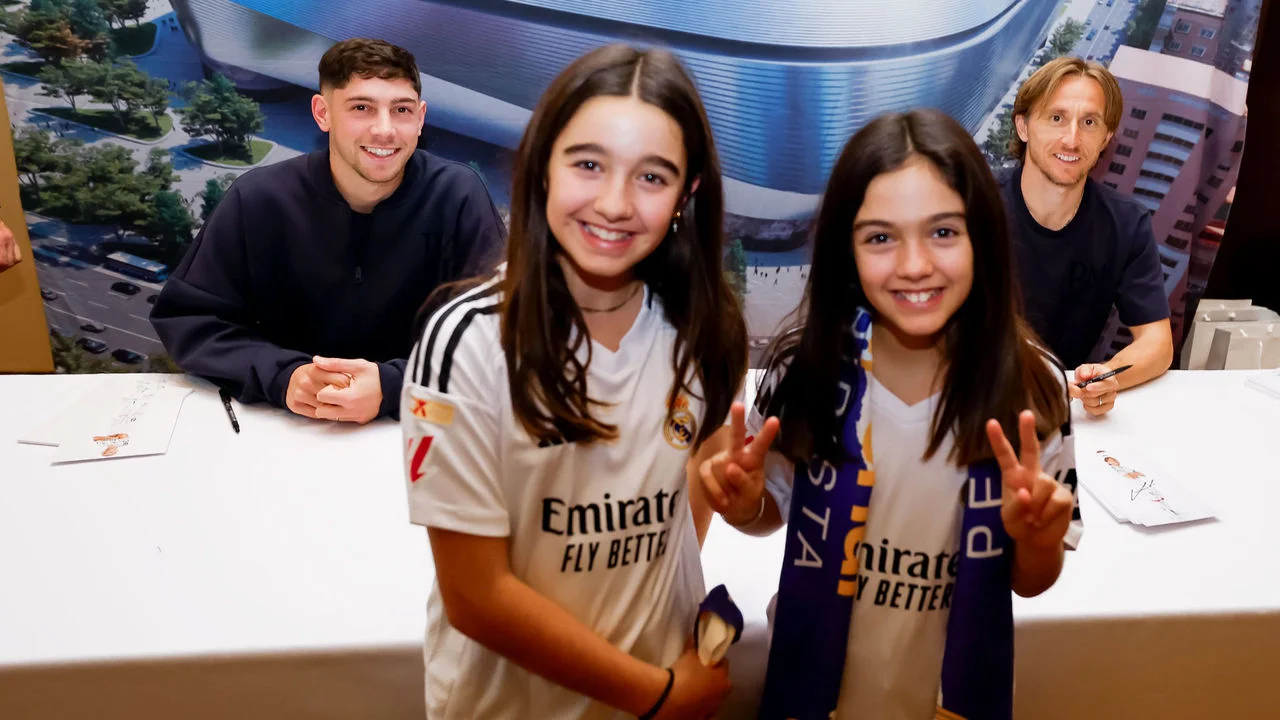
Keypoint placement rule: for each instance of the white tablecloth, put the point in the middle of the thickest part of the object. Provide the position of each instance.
(1179, 622)
(274, 573)
(269, 574)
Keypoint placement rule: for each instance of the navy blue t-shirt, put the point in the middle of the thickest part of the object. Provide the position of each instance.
(1071, 278)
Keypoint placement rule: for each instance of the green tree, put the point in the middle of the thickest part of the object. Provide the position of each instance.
(118, 12)
(98, 187)
(169, 226)
(37, 152)
(69, 80)
(103, 185)
(159, 170)
(33, 150)
(87, 19)
(1066, 37)
(154, 98)
(123, 87)
(996, 146)
(131, 10)
(215, 110)
(735, 268)
(1062, 41)
(214, 190)
(111, 11)
(61, 29)
(1142, 26)
(47, 34)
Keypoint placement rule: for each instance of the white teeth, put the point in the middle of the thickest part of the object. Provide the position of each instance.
(606, 234)
(1066, 158)
(381, 152)
(918, 298)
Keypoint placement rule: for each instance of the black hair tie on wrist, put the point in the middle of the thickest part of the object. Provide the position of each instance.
(662, 699)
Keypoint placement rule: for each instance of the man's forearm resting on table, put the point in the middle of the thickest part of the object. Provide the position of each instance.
(1150, 354)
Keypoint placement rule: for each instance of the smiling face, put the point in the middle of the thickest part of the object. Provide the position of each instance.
(912, 250)
(373, 127)
(1066, 133)
(616, 174)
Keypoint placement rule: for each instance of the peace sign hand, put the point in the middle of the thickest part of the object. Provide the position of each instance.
(1035, 508)
(734, 478)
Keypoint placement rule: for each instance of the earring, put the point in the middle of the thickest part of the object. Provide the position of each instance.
(675, 223)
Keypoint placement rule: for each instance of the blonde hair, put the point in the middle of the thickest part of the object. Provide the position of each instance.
(1045, 81)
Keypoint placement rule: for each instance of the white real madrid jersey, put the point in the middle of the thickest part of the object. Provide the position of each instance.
(604, 530)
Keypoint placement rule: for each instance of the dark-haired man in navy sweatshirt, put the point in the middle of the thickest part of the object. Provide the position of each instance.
(301, 289)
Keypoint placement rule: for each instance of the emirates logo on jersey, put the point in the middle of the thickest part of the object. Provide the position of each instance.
(681, 427)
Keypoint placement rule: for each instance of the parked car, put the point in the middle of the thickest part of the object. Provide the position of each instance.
(1106, 27)
(48, 294)
(1092, 34)
(128, 357)
(93, 327)
(95, 346)
(126, 288)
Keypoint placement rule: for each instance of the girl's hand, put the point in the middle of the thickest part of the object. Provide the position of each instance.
(1035, 508)
(698, 690)
(734, 478)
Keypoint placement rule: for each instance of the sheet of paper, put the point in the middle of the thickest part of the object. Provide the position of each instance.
(113, 420)
(1134, 489)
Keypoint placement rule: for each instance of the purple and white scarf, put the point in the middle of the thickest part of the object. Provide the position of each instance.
(819, 577)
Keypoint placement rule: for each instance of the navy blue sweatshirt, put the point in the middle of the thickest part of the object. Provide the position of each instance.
(284, 270)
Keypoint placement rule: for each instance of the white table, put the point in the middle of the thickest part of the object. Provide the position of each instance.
(274, 573)
(1181, 622)
(269, 574)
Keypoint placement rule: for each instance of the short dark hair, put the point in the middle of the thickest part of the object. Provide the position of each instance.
(367, 59)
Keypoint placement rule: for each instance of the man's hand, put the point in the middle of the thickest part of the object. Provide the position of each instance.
(305, 383)
(357, 401)
(10, 253)
(1098, 398)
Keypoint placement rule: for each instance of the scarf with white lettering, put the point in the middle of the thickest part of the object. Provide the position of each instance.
(828, 519)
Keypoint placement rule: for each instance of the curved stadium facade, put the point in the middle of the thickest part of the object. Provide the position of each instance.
(785, 84)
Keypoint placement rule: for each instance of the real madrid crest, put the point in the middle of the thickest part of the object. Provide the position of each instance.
(681, 427)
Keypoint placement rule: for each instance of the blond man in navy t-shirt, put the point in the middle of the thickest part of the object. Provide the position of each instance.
(1082, 247)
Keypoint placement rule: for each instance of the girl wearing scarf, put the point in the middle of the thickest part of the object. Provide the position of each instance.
(895, 403)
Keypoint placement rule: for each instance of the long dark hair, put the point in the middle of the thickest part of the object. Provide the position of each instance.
(539, 316)
(994, 367)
